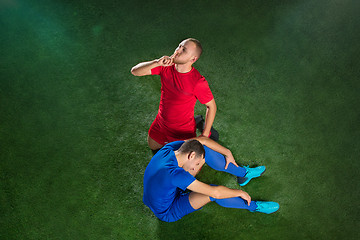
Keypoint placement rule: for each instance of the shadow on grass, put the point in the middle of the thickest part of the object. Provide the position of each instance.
(194, 226)
(214, 222)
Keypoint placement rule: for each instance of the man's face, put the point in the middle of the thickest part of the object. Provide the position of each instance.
(185, 52)
(194, 163)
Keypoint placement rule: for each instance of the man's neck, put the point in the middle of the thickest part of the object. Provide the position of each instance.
(183, 68)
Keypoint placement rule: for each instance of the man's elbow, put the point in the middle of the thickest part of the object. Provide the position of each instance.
(211, 105)
(214, 107)
(134, 72)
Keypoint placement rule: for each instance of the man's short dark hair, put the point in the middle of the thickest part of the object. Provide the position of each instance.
(192, 146)
(198, 45)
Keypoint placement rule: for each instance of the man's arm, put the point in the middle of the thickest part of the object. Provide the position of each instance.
(210, 116)
(144, 68)
(218, 192)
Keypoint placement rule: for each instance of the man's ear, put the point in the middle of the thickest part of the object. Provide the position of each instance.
(191, 155)
(194, 58)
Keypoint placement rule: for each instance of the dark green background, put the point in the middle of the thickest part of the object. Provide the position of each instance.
(74, 121)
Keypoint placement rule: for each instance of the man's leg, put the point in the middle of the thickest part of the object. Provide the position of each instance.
(184, 204)
(244, 174)
(156, 136)
(153, 144)
(217, 161)
(181, 205)
(255, 206)
(235, 202)
(198, 200)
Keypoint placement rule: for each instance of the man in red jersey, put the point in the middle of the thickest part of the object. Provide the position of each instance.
(181, 86)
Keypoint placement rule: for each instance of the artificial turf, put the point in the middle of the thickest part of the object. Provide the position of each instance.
(74, 121)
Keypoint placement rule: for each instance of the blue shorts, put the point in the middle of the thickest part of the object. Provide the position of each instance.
(180, 207)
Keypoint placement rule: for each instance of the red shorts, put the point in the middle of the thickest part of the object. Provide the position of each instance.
(163, 134)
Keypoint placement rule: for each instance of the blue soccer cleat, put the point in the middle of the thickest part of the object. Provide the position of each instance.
(266, 207)
(250, 174)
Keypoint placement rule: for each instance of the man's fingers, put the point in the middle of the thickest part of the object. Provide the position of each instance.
(246, 197)
(168, 61)
(165, 60)
(233, 162)
(249, 200)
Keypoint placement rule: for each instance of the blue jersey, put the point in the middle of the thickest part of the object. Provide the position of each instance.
(164, 180)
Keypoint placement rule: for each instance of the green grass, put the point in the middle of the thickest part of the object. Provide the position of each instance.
(74, 121)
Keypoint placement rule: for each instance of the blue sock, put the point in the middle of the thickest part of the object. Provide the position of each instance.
(217, 161)
(235, 202)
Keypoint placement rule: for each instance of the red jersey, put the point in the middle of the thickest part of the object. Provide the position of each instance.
(179, 92)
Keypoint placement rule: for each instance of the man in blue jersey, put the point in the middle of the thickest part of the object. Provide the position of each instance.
(173, 169)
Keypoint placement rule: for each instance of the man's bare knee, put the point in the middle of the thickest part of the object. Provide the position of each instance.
(153, 145)
(198, 200)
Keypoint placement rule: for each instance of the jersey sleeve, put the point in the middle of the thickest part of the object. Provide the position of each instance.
(156, 70)
(202, 91)
(174, 145)
(181, 179)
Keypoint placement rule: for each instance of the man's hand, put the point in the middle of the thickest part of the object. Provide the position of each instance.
(246, 197)
(165, 61)
(230, 159)
(202, 135)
